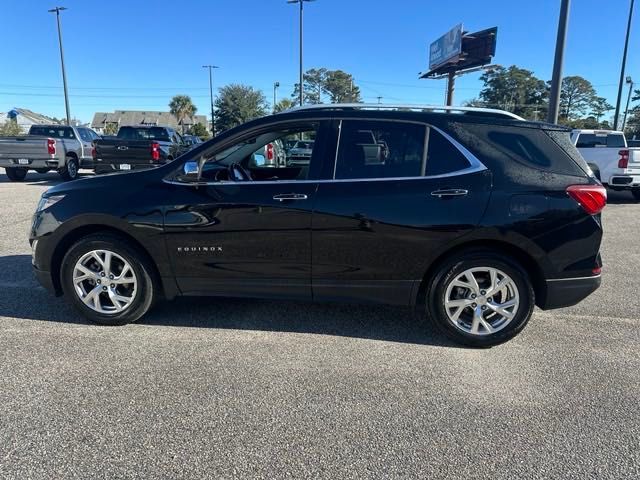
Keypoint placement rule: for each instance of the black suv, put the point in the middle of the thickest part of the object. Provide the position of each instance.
(469, 215)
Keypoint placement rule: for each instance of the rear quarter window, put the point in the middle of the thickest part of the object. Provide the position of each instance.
(525, 155)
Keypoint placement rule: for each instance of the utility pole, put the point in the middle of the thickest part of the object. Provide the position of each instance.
(275, 87)
(556, 80)
(622, 68)
(301, 2)
(451, 85)
(379, 99)
(624, 121)
(213, 115)
(57, 11)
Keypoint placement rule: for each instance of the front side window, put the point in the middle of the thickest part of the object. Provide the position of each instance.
(284, 153)
(379, 149)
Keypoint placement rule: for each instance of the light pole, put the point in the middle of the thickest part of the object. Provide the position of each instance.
(301, 2)
(556, 80)
(213, 115)
(275, 87)
(624, 120)
(57, 10)
(624, 63)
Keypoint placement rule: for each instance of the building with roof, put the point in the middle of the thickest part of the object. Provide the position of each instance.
(121, 118)
(25, 118)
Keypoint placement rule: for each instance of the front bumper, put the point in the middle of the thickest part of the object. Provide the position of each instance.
(566, 292)
(45, 279)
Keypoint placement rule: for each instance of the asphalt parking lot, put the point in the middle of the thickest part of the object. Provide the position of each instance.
(231, 388)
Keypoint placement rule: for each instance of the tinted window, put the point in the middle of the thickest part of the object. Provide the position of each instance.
(153, 133)
(53, 131)
(442, 156)
(370, 149)
(593, 140)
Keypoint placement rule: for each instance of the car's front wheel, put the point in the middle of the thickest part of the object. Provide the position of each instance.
(108, 280)
(480, 298)
(16, 174)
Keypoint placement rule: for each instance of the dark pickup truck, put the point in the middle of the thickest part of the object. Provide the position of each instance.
(136, 148)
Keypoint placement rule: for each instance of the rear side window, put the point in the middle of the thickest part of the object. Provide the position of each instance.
(84, 135)
(378, 149)
(442, 156)
(512, 150)
(594, 140)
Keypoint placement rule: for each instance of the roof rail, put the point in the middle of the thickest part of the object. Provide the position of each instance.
(387, 106)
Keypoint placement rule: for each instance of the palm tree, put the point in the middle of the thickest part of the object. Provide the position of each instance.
(182, 107)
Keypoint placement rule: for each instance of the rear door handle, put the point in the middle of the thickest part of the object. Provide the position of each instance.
(450, 192)
(290, 196)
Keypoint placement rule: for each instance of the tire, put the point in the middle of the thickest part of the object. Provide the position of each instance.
(99, 307)
(42, 170)
(460, 328)
(636, 193)
(16, 174)
(71, 169)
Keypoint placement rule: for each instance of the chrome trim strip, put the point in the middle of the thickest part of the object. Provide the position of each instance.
(572, 278)
(335, 160)
(466, 171)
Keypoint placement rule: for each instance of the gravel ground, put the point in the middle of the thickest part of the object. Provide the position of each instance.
(230, 388)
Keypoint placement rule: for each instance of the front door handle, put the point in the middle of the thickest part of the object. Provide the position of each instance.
(450, 192)
(290, 196)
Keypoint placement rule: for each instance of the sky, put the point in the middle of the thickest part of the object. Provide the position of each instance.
(137, 54)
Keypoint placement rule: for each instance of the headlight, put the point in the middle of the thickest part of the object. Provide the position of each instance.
(46, 202)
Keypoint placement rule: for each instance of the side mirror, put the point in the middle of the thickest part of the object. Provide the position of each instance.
(189, 172)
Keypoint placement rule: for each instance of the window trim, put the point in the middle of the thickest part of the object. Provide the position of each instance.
(475, 164)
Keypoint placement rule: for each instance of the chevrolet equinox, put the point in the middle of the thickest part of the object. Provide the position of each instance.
(473, 216)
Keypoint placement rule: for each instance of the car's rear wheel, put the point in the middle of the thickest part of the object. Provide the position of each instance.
(480, 298)
(71, 169)
(16, 174)
(109, 281)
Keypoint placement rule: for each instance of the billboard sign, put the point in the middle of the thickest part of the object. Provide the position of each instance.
(446, 47)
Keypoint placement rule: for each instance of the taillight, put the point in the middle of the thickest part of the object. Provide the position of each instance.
(269, 151)
(624, 159)
(51, 146)
(592, 198)
(94, 153)
(155, 151)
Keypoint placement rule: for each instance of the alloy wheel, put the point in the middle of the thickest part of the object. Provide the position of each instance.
(105, 282)
(481, 300)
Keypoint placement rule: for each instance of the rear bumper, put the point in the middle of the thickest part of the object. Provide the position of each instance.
(33, 163)
(111, 167)
(624, 181)
(566, 292)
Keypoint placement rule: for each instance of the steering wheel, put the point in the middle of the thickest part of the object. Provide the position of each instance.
(238, 173)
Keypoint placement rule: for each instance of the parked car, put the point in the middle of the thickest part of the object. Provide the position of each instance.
(191, 141)
(48, 147)
(300, 153)
(138, 147)
(606, 152)
(472, 219)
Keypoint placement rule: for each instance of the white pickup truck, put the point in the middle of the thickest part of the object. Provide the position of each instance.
(615, 164)
(48, 147)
